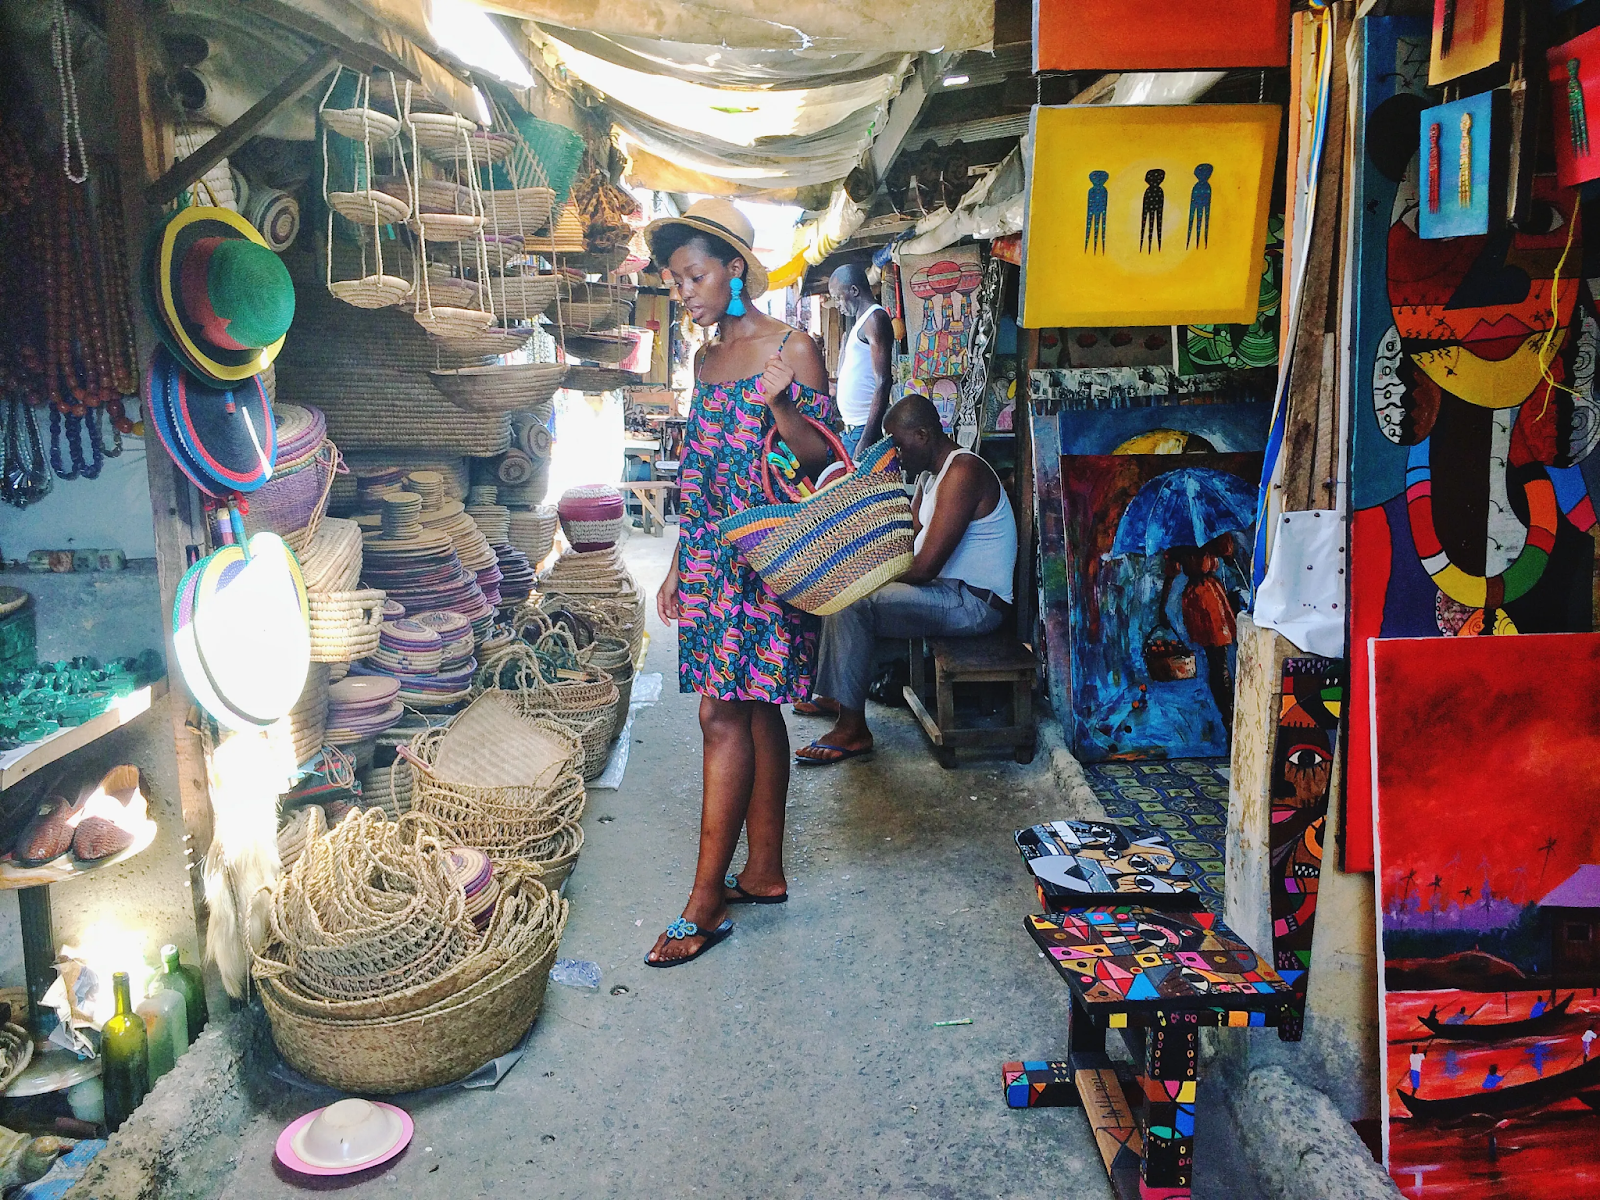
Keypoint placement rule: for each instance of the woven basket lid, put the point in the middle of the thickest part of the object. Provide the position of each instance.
(590, 502)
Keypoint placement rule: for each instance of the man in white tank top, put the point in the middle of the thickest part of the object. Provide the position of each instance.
(959, 584)
(862, 391)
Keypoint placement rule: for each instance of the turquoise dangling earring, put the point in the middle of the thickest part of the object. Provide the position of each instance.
(736, 305)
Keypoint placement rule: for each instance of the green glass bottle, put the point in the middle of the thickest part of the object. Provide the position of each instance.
(188, 983)
(124, 1057)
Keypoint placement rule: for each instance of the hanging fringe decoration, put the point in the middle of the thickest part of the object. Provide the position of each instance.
(1433, 167)
(1464, 169)
(1576, 113)
(1447, 27)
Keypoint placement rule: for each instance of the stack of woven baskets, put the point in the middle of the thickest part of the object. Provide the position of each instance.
(345, 617)
(374, 975)
(533, 531)
(505, 776)
(292, 502)
(544, 668)
(599, 589)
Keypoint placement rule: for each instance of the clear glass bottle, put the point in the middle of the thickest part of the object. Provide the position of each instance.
(166, 1027)
(124, 1056)
(188, 983)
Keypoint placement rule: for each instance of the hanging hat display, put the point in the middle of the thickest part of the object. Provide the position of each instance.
(218, 296)
(225, 439)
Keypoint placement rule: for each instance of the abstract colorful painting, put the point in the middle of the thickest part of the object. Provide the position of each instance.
(1574, 107)
(1090, 862)
(1488, 826)
(939, 297)
(1147, 215)
(1302, 768)
(1462, 164)
(1123, 959)
(1203, 348)
(1468, 35)
(1471, 465)
(1158, 35)
(1157, 567)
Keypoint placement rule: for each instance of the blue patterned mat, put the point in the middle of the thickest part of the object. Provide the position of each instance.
(1188, 798)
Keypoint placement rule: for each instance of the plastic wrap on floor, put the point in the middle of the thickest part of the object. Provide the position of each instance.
(646, 691)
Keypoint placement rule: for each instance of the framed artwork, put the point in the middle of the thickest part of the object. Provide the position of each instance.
(939, 295)
(1574, 103)
(1468, 35)
(1158, 35)
(1168, 429)
(1157, 567)
(1147, 215)
(1462, 163)
(1488, 855)
(1203, 348)
(1472, 473)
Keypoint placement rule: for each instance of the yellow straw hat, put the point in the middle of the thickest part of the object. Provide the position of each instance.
(720, 219)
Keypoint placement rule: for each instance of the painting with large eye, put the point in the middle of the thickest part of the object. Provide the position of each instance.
(1147, 215)
(1472, 465)
(1157, 570)
(1302, 768)
(1489, 913)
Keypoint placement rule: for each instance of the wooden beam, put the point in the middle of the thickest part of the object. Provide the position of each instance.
(300, 81)
(143, 150)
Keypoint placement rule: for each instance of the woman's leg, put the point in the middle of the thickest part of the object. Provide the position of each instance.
(730, 774)
(763, 870)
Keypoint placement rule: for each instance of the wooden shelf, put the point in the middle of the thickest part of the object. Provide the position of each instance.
(16, 765)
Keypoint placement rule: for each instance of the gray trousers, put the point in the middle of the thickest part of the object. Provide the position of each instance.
(943, 608)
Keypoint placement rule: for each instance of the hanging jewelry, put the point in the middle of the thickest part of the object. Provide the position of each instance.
(736, 304)
(66, 81)
(1576, 115)
(1464, 167)
(1433, 167)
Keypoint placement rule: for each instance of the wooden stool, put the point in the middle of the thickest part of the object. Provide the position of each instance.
(652, 495)
(995, 658)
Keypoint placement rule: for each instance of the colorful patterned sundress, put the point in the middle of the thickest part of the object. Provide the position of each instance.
(736, 640)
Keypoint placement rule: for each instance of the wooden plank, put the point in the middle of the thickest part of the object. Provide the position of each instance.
(994, 653)
(918, 710)
(1024, 590)
(25, 760)
(300, 81)
(143, 149)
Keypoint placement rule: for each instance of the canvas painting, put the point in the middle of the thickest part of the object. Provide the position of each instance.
(1488, 828)
(1147, 215)
(1169, 429)
(1462, 187)
(1302, 769)
(1472, 472)
(1158, 35)
(1111, 346)
(1203, 348)
(1158, 567)
(1145, 387)
(939, 296)
(1574, 104)
(1468, 35)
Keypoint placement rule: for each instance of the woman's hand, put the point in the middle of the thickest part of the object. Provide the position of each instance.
(776, 379)
(667, 598)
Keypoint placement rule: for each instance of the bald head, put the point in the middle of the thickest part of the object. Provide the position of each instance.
(849, 289)
(913, 422)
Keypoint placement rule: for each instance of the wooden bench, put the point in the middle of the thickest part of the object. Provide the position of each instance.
(996, 658)
(651, 494)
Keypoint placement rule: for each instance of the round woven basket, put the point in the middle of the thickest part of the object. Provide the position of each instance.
(502, 388)
(608, 349)
(554, 858)
(292, 502)
(309, 716)
(523, 211)
(370, 207)
(447, 321)
(585, 703)
(592, 315)
(345, 626)
(447, 227)
(361, 124)
(489, 343)
(523, 296)
(441, 131)
(371, 291)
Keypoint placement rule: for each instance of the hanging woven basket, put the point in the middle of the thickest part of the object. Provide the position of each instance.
(503, 388)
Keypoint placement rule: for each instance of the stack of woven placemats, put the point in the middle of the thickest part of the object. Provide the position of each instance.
(360, 707)
(503, 776)
(417, 566)
(516, 576)
(533, 531)
(374, 974)
(597, 573)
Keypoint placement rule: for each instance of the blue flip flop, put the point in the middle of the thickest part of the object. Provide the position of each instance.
(685, 928)
(730, 880)
(844, 755)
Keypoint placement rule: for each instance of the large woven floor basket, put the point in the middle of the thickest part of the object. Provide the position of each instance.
(843, 543)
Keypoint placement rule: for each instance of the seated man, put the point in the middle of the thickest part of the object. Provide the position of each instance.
(959, 584)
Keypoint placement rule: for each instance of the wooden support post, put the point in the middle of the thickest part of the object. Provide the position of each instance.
(1024, 591)
(142, 152)
(300, 81)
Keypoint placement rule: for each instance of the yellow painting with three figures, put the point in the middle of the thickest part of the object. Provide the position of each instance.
(1147, 215)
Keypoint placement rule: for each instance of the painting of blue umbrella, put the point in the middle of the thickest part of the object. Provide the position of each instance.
(1158, 548)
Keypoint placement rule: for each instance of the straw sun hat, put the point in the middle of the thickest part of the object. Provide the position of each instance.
(720, 219)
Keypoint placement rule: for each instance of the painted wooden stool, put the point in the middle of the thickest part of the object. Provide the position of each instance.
(1156, 977)
(1074, 863)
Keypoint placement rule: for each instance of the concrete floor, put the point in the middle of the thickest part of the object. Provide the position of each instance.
(800, 1057)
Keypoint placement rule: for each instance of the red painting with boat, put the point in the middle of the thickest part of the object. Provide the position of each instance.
(1488, 835)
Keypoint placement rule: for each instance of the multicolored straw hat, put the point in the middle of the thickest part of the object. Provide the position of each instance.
(218, 296)
(225, 440)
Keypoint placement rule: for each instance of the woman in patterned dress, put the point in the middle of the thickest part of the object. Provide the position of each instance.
(744, 651)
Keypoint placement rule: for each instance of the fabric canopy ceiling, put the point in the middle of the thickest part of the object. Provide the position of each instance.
(809, 125)
(825, 26)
